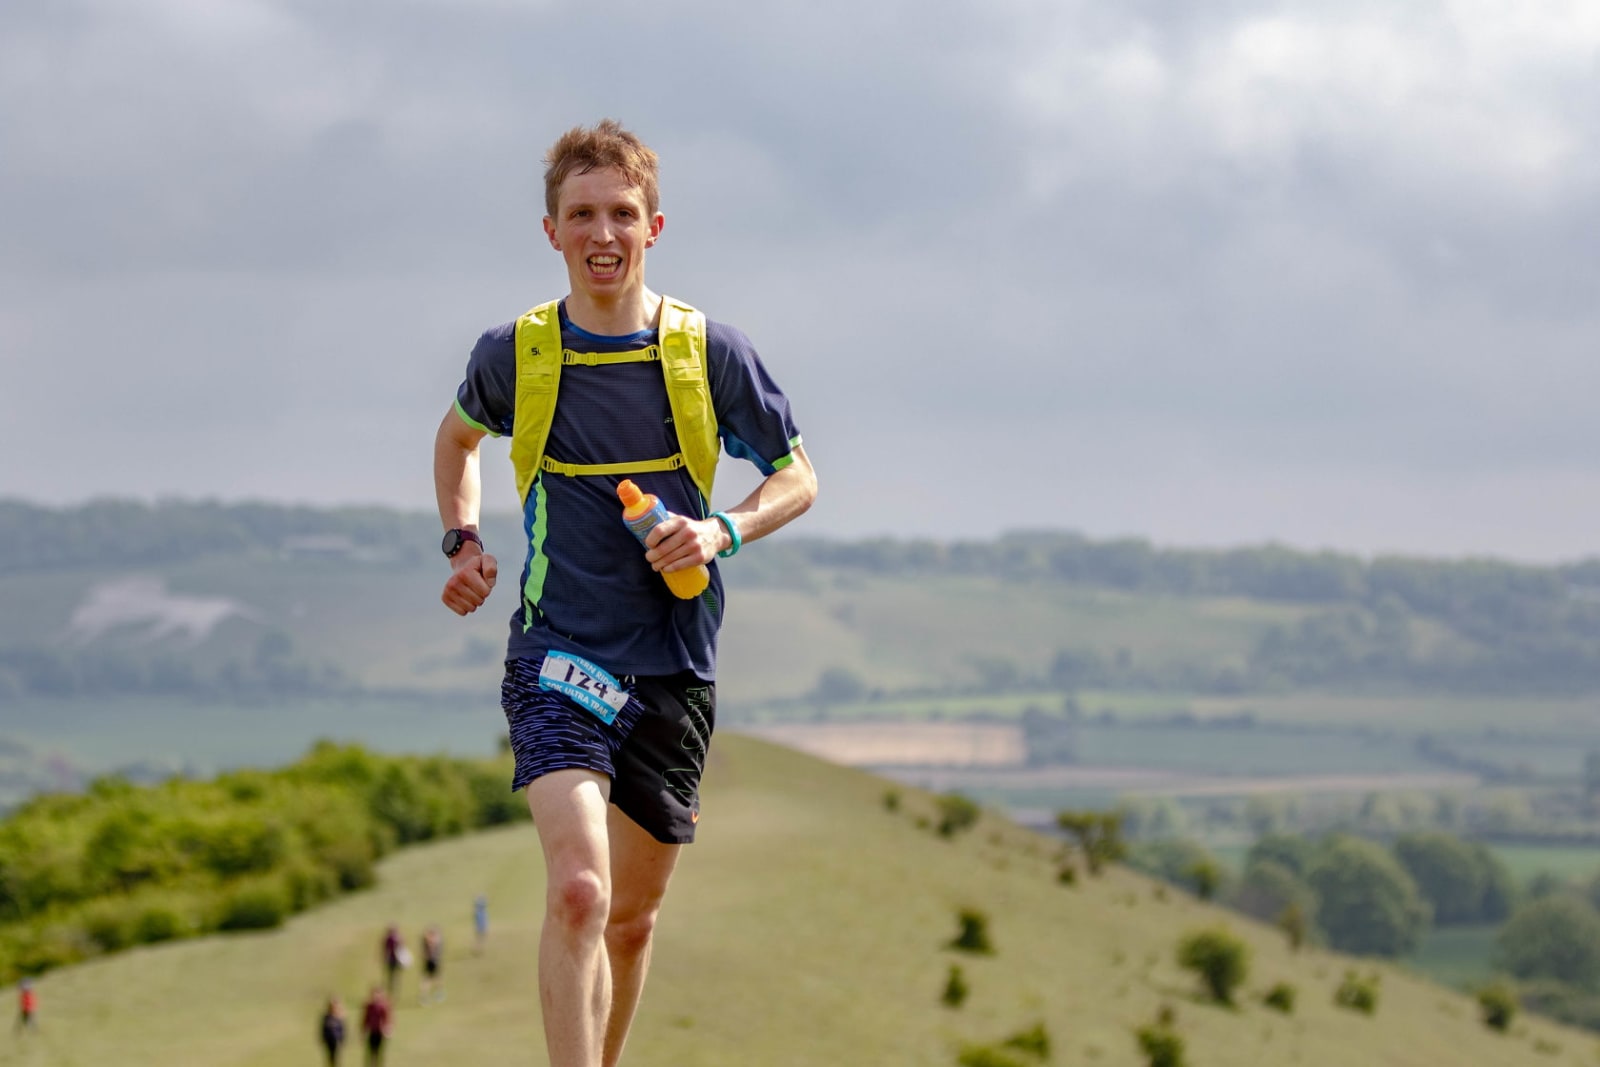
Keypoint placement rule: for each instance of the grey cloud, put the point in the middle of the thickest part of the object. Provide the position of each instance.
(1160, 255)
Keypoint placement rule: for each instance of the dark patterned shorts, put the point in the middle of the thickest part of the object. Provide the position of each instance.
(654, 751)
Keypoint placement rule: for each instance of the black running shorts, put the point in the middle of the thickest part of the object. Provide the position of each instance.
(654, 751)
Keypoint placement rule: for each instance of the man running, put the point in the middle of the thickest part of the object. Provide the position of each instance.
(609, 688)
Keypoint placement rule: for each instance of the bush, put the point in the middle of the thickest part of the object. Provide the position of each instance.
(1280, 998)
(955, 988)
(259, 905)
(974, 934)
(1357, 993)
(492, 799)
(308, 884)
(1295, 926)
(109, 924)
(989, 1056)
(1221, 960)
(1162, 1046)
(1035, 1042)
(957, 813)
(42, 947)
(1497, 1003)
(159, 922)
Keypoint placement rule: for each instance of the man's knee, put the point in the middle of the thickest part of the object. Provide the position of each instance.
(629, 931)
(580, 901)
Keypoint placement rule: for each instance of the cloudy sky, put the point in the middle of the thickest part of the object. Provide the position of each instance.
(1321, 273)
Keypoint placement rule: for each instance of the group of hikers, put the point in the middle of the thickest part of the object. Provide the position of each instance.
(377, 1013)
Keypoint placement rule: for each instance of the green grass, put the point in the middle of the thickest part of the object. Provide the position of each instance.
(804, 930)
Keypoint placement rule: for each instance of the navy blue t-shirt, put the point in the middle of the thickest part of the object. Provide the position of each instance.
(586, 587)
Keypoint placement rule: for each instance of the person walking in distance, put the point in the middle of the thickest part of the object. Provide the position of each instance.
(431, 987)
(333, 1030)
(609, 689)
(396, 958)
(27, 1007)
(480, 923)
(377, 1018)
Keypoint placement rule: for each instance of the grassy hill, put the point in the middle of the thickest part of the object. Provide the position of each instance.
(806, 928)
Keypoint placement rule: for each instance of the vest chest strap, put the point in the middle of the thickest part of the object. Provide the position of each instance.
(673, 462)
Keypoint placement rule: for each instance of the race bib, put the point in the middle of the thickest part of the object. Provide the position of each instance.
(590, 686)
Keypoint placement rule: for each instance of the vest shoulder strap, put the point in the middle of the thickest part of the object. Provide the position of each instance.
(539, 359)
(683, 361)
(682, 352)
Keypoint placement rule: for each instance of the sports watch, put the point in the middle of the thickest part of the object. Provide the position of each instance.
(454, 539)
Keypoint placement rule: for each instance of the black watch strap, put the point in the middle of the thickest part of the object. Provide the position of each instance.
(454, 539)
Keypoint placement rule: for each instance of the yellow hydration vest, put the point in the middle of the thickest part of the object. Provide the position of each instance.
(682, 353)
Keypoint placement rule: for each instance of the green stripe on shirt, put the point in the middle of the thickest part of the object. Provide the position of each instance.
(474, 423)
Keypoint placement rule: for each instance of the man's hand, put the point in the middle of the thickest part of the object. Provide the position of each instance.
(472, 575)
(681, 543)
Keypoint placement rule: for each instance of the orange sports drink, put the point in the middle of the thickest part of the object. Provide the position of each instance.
(643, 512)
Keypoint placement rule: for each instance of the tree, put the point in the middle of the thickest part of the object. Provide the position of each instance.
(1099, 836)
(1368, 903)
(1287, 850)
(1557, 937)
(1173, 860)
(1448, 873)
(1500, 889)
(1268, 888)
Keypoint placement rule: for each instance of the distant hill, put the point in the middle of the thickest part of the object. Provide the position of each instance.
(808, 928)
(223, 601)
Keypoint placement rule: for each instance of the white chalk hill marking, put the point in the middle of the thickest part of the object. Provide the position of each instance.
(142, 602)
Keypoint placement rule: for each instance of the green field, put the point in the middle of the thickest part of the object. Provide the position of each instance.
(1459, 956)
(806, 929)
(1573, 863)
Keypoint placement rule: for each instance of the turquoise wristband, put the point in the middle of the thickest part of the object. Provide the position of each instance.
(733, 532)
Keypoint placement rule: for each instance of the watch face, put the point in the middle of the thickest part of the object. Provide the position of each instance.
(454, 539)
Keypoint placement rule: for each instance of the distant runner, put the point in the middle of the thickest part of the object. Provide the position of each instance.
(27, 1007)
(609, 689)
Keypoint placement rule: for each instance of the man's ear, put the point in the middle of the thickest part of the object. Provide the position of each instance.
(550, 232)
(657, 224)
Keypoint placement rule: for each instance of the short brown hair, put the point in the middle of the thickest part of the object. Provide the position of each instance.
(580, 150)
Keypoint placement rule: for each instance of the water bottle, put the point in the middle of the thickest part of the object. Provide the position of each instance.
(643, 512)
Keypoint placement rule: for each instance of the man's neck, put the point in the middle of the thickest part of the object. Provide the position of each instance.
(618, 318)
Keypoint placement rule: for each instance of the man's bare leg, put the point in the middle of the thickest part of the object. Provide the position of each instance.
(569, 810)
(641, 866)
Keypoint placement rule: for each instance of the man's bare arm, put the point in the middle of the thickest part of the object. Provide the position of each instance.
(458, 487)
(781, 498)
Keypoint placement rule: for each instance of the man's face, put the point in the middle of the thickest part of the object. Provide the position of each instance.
(601, 229)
